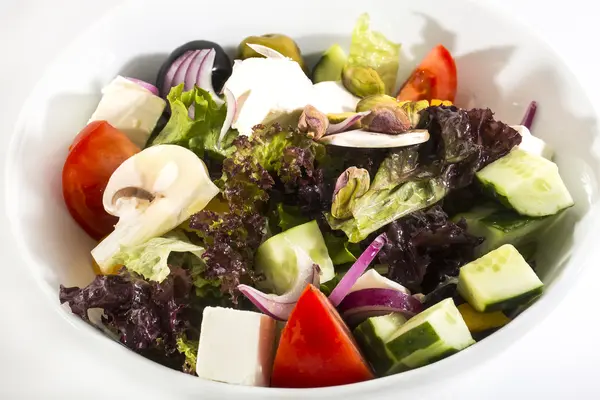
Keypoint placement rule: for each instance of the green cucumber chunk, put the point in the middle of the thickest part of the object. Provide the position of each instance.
(527, 183)
(500, 280)
(429, 336)
(500, 226)
(276, 258)
(331, 64)
(371, 336)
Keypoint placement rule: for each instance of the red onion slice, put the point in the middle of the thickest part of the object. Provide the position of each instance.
(527, 120)
(148, 86)
(366, 303)
(204, 76)
(191, 75)
(168, 81)
(231, 113)
(266, 51)
(194, 67)
(362, 263)
(182, 69)
(280, 307)
(347, 123)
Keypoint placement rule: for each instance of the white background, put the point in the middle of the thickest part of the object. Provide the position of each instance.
(559, 359)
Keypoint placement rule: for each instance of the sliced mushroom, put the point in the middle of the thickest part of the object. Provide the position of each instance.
(374, 140)
(152, 192)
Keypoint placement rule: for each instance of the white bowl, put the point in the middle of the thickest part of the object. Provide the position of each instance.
(501, 65)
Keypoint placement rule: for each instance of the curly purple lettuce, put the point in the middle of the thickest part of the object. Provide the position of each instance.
(146, 315)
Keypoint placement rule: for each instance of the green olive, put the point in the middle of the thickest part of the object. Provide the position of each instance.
(280, 43)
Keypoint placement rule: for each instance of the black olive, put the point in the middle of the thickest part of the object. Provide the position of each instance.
(221, 70)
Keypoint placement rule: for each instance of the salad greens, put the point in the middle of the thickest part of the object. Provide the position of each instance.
(411, 179)
(195, 122)
(149, 259)
(410, 184)
(189, 348)
(146, 315)
(372, 49)
(425, 247)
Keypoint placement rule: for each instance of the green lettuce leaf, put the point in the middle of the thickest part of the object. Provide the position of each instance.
(397, 167)
(247, 173)
(287, 217)
(372, 49)
(328, 286)
(205, 287)
(200, 133)
(399, 188)
(150, 259)
(340, 250)
(378, 208)
(189, 348)
(280, 151)
(413, 178)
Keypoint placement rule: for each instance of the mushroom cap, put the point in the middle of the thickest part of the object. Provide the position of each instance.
(156, 172)
(152, 192)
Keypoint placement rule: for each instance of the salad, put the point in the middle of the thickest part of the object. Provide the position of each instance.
(264, 223)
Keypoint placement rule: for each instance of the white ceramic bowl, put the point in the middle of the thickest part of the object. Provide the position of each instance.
(501, 65)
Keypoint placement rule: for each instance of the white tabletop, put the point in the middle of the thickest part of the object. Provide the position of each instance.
(557, 360)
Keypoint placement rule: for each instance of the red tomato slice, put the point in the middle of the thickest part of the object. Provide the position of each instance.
(316, 348)
(434, 78)
(95, 154)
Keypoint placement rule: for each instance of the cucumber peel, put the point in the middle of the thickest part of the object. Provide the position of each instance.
(393, 346)
(500, 280)
(529, 184)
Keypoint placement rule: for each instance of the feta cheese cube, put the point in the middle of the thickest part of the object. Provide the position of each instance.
(532, 144)
(236, 346)
(130, 108)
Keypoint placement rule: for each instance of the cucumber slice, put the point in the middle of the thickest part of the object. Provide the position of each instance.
(500, 226)
(276, 258)
(500, 280)
(371, 336)
(529, 184)
(430, 336)
(329, 67)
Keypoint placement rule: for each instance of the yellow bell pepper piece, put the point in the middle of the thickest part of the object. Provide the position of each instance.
(478, 322)
(437, 102)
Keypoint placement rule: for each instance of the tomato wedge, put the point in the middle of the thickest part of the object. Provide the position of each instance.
(434, 78)
(95, 154)
(316, 348)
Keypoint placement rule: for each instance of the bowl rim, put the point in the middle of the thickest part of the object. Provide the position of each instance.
(444, 369)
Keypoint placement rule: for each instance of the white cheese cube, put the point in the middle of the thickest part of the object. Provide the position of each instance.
(130, 108)
(532, 144)
(236, 346)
